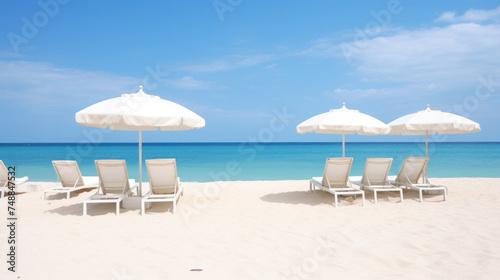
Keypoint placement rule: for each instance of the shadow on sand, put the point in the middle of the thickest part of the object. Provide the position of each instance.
(300, 197)
(321, 197)
(59, 196)
(92, 210)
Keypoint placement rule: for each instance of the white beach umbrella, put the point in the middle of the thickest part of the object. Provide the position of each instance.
(343, 121)
(139, 112)
(429, 121)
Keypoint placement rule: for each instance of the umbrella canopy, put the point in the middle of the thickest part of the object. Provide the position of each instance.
(429, 121)
(139, 112)
(343, 121)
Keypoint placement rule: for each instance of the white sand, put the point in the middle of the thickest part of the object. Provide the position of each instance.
(262, 230)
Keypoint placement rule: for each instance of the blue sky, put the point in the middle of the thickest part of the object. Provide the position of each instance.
(252, 69)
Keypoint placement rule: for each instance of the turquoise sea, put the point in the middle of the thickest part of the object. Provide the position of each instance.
(204, 162)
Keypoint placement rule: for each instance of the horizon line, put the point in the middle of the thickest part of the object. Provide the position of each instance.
(238, 142)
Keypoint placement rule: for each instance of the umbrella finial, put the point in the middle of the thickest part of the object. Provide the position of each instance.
(140, 91)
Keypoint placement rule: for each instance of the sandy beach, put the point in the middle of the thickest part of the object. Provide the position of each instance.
(262, 230)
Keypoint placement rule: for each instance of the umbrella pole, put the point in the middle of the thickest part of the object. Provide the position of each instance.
(140, 164)
(343, 145)
(426, 141)
(426, 150)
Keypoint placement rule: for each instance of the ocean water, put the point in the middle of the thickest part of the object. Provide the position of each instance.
(204, 162)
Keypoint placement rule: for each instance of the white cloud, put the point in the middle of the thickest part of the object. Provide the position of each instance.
(417, 89)
(449, 55)
(324, 47)
(190, 83)
(471, 15)
(447, 17)
(47, 85)
(10, 54)
(229, 63)
(332, 46)
(271, 66)
(455, 53)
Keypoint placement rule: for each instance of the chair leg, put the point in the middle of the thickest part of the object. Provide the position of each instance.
(363, 198)
(401, 195)
(444, 194)
(173, 209)
(375, 195)
(142, 207)
(336, 200)
(421, 199)
(84, 208)
(118, 209)
(67, 195)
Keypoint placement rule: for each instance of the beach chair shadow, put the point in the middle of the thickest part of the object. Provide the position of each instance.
(59, 196)
(299, 197)
(392, 197)
(76, 210)
(160, 208)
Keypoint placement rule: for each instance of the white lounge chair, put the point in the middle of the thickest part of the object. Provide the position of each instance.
(4, 180)
(70, 179)
(375, 177)
(164, 185)
(335, 179)
(412, 170)
(114, 184)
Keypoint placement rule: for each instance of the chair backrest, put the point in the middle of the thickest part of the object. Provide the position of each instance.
(68, 173)
(113, 177)
(162, 174)
(411, 170)
(376, 171)
(4, 175)
(336, 172)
